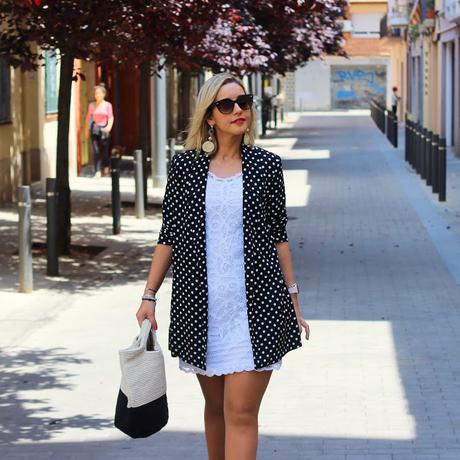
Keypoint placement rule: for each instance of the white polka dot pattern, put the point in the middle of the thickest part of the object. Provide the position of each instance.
(272, 320)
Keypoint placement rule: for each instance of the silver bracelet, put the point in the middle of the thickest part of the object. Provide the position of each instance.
(149, 297)
(293, 288)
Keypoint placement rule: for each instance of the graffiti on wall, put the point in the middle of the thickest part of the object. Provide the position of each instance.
(354, 86)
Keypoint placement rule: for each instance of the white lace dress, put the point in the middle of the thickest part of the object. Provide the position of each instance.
(229, 346)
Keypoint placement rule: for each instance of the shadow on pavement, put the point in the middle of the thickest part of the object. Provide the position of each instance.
(371, 266)
(125, 258)
(31, 419)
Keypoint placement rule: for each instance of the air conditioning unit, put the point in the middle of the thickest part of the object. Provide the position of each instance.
(346, 25)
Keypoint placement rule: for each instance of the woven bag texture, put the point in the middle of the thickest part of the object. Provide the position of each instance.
(143, 376)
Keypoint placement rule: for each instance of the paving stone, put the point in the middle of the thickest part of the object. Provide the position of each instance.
(379, 377)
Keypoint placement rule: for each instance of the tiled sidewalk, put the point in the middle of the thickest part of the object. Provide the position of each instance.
(378, 379)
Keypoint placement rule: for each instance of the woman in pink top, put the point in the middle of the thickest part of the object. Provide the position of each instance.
(99, 122)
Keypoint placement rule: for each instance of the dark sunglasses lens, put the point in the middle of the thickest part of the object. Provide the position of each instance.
(244, 101)
(225, 105)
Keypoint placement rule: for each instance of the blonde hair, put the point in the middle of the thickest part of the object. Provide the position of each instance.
(198, 126)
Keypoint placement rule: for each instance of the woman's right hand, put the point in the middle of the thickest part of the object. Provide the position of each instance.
(147, 310)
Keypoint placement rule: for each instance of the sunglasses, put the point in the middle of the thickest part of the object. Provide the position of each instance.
(226, 106)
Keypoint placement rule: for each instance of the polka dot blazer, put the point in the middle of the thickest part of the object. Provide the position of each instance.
(272, 321)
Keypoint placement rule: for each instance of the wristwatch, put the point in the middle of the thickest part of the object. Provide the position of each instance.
(293, 288)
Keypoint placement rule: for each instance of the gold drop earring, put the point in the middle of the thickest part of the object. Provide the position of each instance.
(246, 137)
(210, 144)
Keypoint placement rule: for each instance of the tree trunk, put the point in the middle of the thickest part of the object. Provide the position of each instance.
(62, 153)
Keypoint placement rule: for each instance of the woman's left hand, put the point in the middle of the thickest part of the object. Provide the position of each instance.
(300, 321)
(105, 130)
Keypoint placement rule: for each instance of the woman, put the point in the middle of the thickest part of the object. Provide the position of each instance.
(224, 230)
(99, 122)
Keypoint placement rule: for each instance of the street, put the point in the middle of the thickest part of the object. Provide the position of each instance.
(376, 261)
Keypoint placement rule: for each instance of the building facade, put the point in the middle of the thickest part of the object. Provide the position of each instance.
(447, 81)
(429, 33)
(28, 124)
(339, 83)
(148, 109)
(393, 27)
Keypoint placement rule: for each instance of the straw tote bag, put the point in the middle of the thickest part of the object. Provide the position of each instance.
(142, 406)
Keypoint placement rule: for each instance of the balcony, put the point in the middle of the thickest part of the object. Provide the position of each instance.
(452, 10)
(398, 13)
(389, 32)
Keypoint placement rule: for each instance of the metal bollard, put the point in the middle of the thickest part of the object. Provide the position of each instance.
(434, 163)
(417, 148)
(139, 178)
(25, 239)
(52, 251)
(406, 140)
(408, 153)
(421, 142)
(172, 149)
(411, 143)
(428, 155)
(423, 154)
(442, 169)
(395, 131)
(116, 198)
(387, 131)
(145, 177)
(422, 150)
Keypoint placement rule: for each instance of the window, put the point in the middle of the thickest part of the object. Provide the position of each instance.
(5, 92)
(366, 25)
(51, 82)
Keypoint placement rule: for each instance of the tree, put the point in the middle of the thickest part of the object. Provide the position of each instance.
(299, 31)
(242, 36)
(268, 36)
(103, 31)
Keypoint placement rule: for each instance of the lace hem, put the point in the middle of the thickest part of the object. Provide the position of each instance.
(189, 368)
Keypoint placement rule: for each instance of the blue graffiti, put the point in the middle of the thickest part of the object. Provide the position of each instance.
(357, 74)
(377, 88)
(346, 95)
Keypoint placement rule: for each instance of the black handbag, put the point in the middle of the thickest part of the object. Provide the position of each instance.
(145, 411)
(143, 421)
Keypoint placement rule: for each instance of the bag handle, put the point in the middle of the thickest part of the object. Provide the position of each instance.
(146, 329)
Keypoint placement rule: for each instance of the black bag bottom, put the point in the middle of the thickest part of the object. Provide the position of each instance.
(143, 421)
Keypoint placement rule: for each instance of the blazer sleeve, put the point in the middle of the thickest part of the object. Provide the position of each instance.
(168, 228)
(277, 204)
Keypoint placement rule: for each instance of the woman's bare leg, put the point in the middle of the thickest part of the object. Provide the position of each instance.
(213, 391)
(242, 397)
